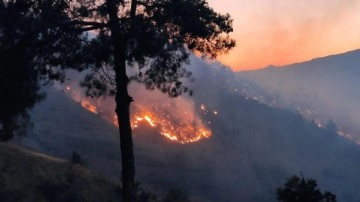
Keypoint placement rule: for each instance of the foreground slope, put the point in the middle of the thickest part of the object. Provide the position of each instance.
(30, 176)
(251, 152)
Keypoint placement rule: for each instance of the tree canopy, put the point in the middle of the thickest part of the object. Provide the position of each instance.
(32, 46)
(158, 37)
(298, 189)
(152, 37)
(331, 126)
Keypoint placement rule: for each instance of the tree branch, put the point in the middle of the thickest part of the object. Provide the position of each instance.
(88, 23)
(85, 29)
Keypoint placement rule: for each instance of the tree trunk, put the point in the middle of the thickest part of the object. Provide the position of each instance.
(123, 101)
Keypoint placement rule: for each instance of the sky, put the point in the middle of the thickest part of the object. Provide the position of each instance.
(280, 32)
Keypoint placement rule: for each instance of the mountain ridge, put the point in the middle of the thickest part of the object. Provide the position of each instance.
(253, 148)
(313, 60)
(323, 88)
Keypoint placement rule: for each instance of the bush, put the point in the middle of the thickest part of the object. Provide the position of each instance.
(298, 189)
(77, 159)
(176, 195)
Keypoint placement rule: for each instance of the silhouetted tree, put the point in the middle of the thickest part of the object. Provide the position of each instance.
(154, 37)
(302, 190)
(77, 159)
(32, 45)
(331, 126)
(18, 89)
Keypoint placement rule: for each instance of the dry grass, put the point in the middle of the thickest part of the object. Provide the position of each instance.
(30, 176)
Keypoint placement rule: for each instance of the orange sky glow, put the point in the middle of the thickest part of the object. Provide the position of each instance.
(274, 32)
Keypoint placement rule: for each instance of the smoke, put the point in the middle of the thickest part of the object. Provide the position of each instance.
(175, 118)
(320, 90)
(252, 149)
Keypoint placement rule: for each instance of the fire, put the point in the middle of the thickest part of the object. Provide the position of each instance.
(175, 119)
(87, 105)
(137, 119)
(115, 121)
(183, 130)
(318, 123)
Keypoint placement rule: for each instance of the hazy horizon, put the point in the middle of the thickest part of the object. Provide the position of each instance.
(284, 32)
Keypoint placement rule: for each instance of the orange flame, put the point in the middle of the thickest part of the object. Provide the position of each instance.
(87, 105)
(181, 126)
(182, 130)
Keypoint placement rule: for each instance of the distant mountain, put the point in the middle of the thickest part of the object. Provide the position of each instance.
(252, 150)
(325, 88)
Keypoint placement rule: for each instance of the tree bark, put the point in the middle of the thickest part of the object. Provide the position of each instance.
(123, 101)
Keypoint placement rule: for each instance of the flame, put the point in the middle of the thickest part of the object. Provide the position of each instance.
(318, 123)
(186, 129)
(115, 121)
(181, 129)
(87, 105)
(135, 120)
(174, 119)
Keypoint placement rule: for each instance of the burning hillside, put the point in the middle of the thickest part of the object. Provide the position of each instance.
(175, 119)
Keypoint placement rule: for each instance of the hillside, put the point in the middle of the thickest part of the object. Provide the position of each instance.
(30, 176)
(322, 88)
(252, 150)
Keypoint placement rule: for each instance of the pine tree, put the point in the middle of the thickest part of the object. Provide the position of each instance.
(153, 37)
(32, 46)
(303, 190)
